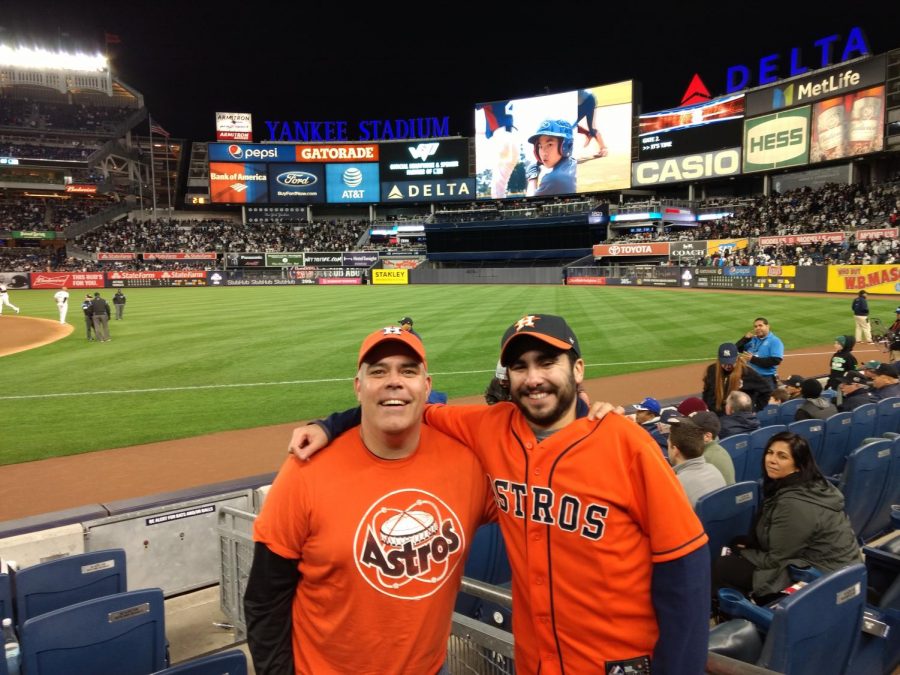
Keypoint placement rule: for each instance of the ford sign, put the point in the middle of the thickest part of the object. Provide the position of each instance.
(296, 179)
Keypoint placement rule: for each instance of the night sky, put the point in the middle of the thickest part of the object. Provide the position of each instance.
(332, 61)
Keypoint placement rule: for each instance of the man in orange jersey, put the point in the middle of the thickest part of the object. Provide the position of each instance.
(359, 553)
(610, 564)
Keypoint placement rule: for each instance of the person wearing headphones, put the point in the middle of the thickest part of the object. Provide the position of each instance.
(553, 171)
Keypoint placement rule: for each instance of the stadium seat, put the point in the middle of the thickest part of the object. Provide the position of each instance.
(232, 662)
(788, 409)
(862, 483)
(487, 562)
(437, 397)
(887, 416)
(814, 433)
(727, 513)
(880, 522)
(812, 631)
(769, 414)
(65, 581)
(121, 634)
(863, 424)
(836, 445)
(6, 609)
(758, 440)
(737, 447)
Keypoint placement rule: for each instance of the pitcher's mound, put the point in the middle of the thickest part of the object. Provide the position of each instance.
(26, 332)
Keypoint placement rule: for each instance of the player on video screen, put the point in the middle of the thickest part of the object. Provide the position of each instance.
(553, 171)
(498, 130)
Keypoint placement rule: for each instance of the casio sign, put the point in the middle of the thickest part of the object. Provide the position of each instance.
(296, 179)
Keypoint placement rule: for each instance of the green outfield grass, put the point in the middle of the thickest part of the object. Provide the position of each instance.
(188, 361)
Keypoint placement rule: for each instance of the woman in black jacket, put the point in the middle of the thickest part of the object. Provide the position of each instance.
(801, 522)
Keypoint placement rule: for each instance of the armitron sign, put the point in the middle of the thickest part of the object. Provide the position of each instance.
(618, 250)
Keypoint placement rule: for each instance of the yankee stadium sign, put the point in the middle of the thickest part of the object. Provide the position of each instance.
(366, 130)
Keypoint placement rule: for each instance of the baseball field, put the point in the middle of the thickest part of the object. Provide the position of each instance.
(186, 361)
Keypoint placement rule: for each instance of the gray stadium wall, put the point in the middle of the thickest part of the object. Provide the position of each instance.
(488, 275)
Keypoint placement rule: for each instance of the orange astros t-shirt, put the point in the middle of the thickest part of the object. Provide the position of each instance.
(382, 546)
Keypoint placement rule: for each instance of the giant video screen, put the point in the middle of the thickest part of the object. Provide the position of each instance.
(703, 127)
(849, 125)
(573, 142)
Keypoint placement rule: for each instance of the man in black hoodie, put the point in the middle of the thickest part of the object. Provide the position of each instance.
(815, 407)
(842, 361)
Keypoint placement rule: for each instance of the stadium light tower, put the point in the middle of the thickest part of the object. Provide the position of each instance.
(59, 70)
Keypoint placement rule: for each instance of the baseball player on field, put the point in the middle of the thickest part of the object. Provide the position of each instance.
(359, 552)
(62, 303)
(4, 299)
(610, 565)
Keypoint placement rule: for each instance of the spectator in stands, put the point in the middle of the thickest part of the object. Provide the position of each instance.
(854, 388)
(885, 383)
(792, 386)
(646, 413)
(696, 476)
(691, 405)
(739, 417)
(842, 360)
(801, 522)
(730, 373)
(498, 388)
(764, 348)
(815, 407)
(714, 453)
(779, 396)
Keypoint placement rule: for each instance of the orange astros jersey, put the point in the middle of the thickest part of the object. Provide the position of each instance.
(382, 546)
(584, 514)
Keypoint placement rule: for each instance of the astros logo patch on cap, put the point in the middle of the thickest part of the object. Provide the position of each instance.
(392, 333)
(544, 327)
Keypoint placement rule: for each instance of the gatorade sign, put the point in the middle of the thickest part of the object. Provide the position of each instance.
(777, 140)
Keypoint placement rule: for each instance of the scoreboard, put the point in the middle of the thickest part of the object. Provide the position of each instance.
(775, 278)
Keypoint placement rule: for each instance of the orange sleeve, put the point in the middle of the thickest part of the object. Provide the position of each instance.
(283, 523)
(463, 423)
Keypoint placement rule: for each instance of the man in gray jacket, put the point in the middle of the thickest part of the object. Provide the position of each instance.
(696, 476)
(815, 407)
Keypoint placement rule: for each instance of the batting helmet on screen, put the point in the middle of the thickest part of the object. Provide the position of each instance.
(559, 128)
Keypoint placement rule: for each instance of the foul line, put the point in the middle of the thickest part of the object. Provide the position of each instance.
(155, 390)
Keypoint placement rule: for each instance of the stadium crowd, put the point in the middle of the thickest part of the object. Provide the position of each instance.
(77, 116)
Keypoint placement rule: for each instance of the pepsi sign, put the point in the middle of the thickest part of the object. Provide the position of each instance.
(250, 152)
(352, 183)
(296, 183)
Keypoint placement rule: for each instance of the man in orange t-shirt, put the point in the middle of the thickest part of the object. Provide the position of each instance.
(360, 551)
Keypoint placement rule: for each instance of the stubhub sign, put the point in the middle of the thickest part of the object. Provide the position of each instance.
(250, 152)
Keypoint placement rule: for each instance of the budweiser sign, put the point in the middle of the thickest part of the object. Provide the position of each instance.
(802, 239)
(586, 281)
(75, 187)
(617, 250)
(115, 256)
(865, 235)
(68, 279)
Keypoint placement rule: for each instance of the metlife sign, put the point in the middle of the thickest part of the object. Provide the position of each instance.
(425, 159)
(688, 167)
(777, 140)
(428, 190)
(824, 84)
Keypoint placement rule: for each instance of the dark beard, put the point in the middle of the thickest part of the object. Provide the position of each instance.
(565, 400)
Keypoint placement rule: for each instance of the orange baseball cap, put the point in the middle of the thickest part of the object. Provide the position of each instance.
(394, 333)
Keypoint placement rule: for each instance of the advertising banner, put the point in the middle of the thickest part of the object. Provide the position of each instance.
(776, 271)
(206, 255)
(293, 183)
(381, 277)
(620, 250)
(248, 152)
(402, 263)
(725, 245)
(70, 280)
(360, 258)
(231, 183)
(586, 281)
(865, 235)
(697, 128)
(802, 239)
(234, 127)
(437, 190)
(425, 159)
(268, 214)
(33, 234)
(81, 188)
(157, 278)
(246, 259)
(116, 256)
(324, 259)
(13, 280)
(828, 84)
(284, 260)
(348, 183)
(587, 143)
(847, 126)
(875, 279)
(777, 140)
(689, 167)
(339, 281)
(687, 249)
(368, 152)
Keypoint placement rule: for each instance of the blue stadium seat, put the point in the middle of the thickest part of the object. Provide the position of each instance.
(65, 581)
(437, 397)
(812, 631)
(6, 608)
(232, 662)
(487, 562)
(887, 416)
(727, 513)
(758, 440)
(737, 447)
(880, 522)
(836, 446)
(769, 414)
(814, 433)
(788, 409)
(862, 483)
(122, 634)
(863, 424)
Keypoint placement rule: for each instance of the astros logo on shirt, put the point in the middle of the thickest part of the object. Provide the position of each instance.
(408, 543)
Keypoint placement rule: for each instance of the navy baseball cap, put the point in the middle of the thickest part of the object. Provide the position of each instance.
(405, 320)
(671, 416)
(889, 369)
(794, 381)
(854, 377)
(649, 404)
(728, 353)
(544, 327)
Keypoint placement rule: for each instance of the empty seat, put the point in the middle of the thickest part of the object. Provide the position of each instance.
(887, 416)
(814, 433)
(880, 521)
(769, 414)
(862, 425)
(121, 634)
(862, 483)
(737, 447)
(65, 581)
(232, 662)
(6, 611)
(727, 513)
(788, 409)
(836, 445)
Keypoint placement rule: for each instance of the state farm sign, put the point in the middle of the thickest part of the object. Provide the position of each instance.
(618, 250)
